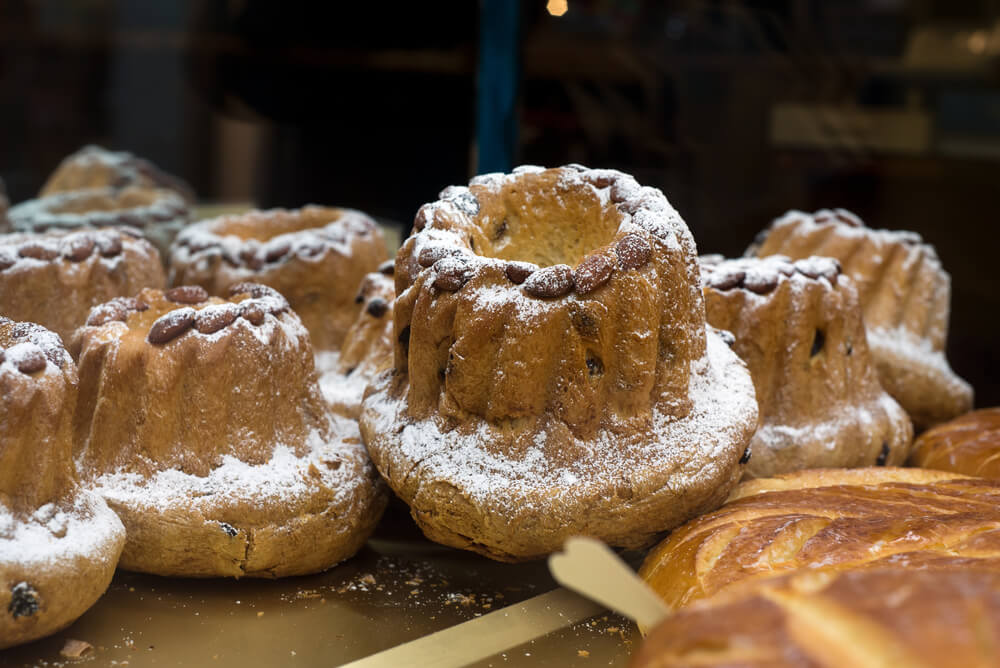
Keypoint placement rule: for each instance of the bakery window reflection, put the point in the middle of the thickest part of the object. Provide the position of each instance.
(737, 110)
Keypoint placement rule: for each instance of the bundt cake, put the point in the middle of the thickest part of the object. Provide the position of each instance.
(157, 213)
(553, 374)
(798, 327)
(54, 278)
(58, 543)
(315, 256)
(202, 424)
(891, 616)
(368, 347)
(905, 295)
(969, 444)
(831, 519)
(96, 167)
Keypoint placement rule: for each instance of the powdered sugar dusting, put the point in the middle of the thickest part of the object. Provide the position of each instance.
(338, 388)
(681, 452)
(285, 480)
(202, 243)
(58, 533)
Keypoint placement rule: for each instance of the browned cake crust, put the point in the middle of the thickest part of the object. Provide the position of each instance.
(946, 614)
(157, 214)
(315, 256)
(201, 423)
(368, 346)
(58, 544)
(553, 374)
(905, 295)
(798, 327)
(832, 518)
(969, 444)
(95, 167)
(55, 278)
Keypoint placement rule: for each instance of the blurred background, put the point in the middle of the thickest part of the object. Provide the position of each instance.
(737, 109)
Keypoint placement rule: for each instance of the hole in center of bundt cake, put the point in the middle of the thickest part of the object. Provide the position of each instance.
(271, 224)
(545, 220)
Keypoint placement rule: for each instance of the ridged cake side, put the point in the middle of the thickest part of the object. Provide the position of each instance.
(203, 426)
(595, 338)
(314, 256)
(144, 400)
(368, 346)
(553, 374)
(798, 327)
(905, 295)
(58, 544)
(38, 385)
(55, 278)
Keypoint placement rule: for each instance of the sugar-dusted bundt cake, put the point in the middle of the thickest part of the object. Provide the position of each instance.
(969, 444)
(553, 374)
(798, 327)
(96, 167)
(202, 424)
(368, 346)
(54, 278)
(905, 295)
(891, 616)
(157, 213)
(827, 519)
(58, 543)
(315, 256)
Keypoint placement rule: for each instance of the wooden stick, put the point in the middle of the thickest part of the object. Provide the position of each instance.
(589, 567)
(490, 634)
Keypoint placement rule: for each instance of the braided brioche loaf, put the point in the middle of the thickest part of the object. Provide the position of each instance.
(946, 615)
(832, 519)
(969, 444)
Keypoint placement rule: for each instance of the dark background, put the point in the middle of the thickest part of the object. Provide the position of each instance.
(738, 110)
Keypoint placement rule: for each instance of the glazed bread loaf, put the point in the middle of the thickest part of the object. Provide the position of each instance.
(945, 615)
(969, 444)
(836, 518)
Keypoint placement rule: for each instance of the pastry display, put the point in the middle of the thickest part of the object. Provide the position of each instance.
(553, 374)
(96, 167)
(969, 444)
(54, 278)
(368, 346)
(201, 422)
(798, 327)
(58, 543)
(890, 616)
(836, 519)
(157, 213)
(315, 256)
(905, 295)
